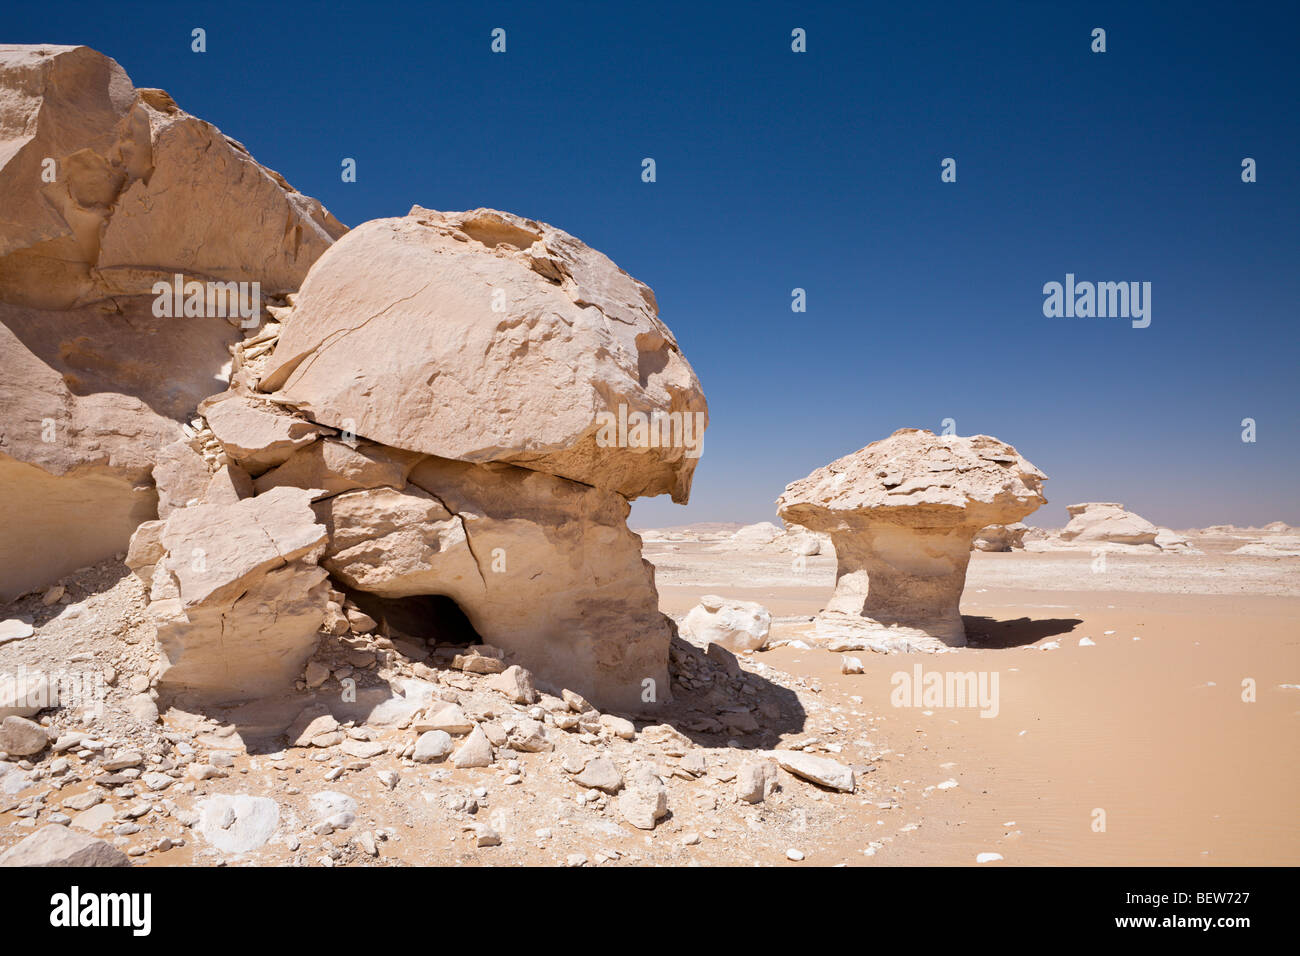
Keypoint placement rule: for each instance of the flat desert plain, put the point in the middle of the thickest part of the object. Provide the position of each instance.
(1126, 731)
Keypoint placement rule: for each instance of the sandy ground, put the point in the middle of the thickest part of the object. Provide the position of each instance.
(1153, 732)
(1118, 751)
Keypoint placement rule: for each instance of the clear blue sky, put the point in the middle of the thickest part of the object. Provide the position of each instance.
(821, 170)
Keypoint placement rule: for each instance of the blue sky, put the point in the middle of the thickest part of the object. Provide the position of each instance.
(821, 170)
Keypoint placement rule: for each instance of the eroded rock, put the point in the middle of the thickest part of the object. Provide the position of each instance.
(902, 514)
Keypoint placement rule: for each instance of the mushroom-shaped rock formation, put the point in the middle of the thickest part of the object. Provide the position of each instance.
(467, 464)
(902, 514)
(104, 191)
(485, 337)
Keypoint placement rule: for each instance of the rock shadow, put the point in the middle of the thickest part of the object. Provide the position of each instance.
(716, 703)
(988, 632)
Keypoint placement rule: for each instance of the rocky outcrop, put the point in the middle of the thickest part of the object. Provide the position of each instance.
(902, 514)
(106, 190)
(485, 337)
(520, 521)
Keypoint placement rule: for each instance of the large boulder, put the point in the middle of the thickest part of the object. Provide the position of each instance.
(736, 625)
(902, 514)
(485, 337)
(104, 191)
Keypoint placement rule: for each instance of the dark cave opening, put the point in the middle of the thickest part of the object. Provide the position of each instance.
(430, 621)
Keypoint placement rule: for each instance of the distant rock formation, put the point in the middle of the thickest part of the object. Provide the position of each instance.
(903, 513)
(1277, 546)
(1106, 522)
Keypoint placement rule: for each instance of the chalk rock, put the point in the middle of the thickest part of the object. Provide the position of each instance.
(237, 823)
(1278, 546)
(180, 476)
(820, 770)
(476, 751)
(755, 780)
(237, 596)
(755, 536)
(432, 745)
(21, 737)
(141, 191)
(254, 433)
(15, 629)
(56, 845)
(600, 773)
(544, 568)
(1001, 537)
(485, 337)
(644, 800)
(736, 625)
(902, 514)
(1106, 522)
(229, 484)
(1168, 540)
(336, 466)
(516, 683)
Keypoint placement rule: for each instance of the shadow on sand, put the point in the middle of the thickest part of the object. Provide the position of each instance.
(987, 632)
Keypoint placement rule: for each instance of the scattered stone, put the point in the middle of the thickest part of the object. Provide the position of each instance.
(431, 746)
(476, 751)
(644, 799)
(21, 737)
(600, 773)
(756, 780)
(516, 683)
(820, 770)
(56, 845)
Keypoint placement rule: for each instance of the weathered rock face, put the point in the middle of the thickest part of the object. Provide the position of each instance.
(1106, 522)
(484, 337)
(543, 567)
(104, 190)
(537, 565)
(902, 514)
(1001, 537)
(139, 190)
(236, 594)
